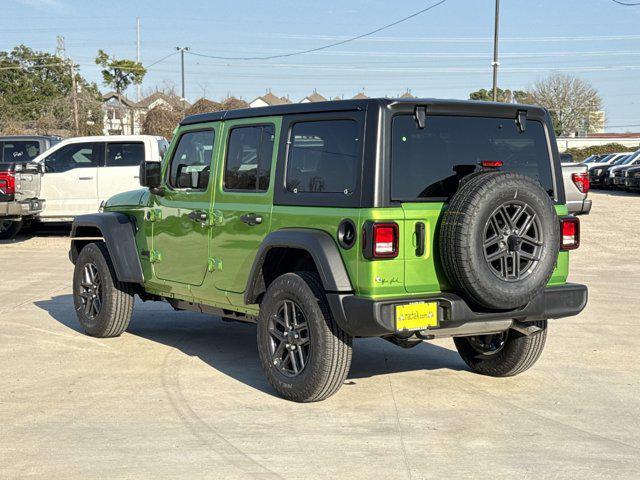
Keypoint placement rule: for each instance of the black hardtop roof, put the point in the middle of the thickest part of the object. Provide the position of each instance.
(29, 137)
(435, 105)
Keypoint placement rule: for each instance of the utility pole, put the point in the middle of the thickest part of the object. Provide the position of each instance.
(61, 53)
(74, 97)
(495, 53)
(182, 50)
(138, 87)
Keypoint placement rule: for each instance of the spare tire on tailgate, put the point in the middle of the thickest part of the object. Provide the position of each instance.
(499, 240)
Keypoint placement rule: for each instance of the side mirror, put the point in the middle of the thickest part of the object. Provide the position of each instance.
(150, 174)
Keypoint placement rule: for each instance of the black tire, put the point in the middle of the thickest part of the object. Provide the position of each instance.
(111, 316)
(329, 347)
(518, 353)
(465, 224)
(9, 228)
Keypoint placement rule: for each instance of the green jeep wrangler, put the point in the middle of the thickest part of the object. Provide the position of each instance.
(321, 222)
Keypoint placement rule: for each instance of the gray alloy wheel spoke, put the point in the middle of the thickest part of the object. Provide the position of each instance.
(528, 256)
(527, 224)
(498, 254)
(492, 241)
(294, 362)
(515, 259)
(276, 334)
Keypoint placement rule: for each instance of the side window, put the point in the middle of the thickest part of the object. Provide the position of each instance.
(249, 153)
(323, 157)
(125, 154)
(75, 155)
(191, 162)
(20, 150)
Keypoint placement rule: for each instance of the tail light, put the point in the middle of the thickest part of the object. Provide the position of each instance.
(570, 231)
(7, 183)
(581, 181)
(381, 240)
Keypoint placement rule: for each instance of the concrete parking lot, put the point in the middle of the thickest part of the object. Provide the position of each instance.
(181, 395)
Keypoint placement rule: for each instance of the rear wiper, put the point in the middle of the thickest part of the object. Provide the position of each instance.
(521, 120)
(421, 116)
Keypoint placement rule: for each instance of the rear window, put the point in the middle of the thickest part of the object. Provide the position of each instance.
(19, 150)
(429, 163)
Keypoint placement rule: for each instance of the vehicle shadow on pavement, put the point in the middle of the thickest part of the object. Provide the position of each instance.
(230, 347)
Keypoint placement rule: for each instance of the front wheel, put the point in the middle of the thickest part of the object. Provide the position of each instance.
(304, 353)
(103, 304)
(9, 228)
(503, 354)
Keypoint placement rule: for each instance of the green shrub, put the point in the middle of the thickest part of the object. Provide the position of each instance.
(579, 154)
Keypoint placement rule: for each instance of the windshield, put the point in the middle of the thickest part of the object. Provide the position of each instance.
(19, 150)
(429, 163)
(630, 159)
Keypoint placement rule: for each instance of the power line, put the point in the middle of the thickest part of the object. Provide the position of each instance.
(626, 4)
(324, 47)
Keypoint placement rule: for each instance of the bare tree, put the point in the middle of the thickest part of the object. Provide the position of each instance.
(161, 121)
(571, 101)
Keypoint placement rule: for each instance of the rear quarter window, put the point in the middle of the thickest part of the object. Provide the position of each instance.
(429, 163)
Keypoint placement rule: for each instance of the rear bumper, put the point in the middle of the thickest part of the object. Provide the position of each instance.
(25, 208)
(363, 317)
(579, 207)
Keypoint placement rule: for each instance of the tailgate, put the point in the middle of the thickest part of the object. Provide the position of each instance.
(28, 182)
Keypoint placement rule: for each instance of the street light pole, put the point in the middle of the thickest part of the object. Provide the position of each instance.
(182, 50)
(495, 53)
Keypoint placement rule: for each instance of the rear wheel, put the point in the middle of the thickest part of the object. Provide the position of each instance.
(9, 228)
(503, 354)
(304, 353)
(103, 304)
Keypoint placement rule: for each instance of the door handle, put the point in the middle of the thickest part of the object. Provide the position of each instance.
(85, 178)
(251, 219)
(198, 216)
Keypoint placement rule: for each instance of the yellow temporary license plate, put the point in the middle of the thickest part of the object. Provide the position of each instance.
(416, 316)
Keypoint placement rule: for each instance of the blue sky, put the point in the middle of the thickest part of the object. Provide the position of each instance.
(443, 53)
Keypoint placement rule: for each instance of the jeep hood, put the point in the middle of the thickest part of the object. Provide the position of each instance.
(131, 198)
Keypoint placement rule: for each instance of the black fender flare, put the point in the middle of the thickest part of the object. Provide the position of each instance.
(118, 231)
(319, 244)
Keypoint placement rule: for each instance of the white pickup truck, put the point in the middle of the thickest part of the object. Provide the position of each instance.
(73, 178)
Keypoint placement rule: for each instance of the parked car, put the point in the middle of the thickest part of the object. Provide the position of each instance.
(326, 221)
(632, 179)
(610, 172)
(77, 174)
(24, 148)
(576, 187)
(620, 176)
(595, 158)
(607, 160)
(599, 173)
(19, 203)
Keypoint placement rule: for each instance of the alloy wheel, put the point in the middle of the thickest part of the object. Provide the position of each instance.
(289, 343)
(91, 291)
(512, 241)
